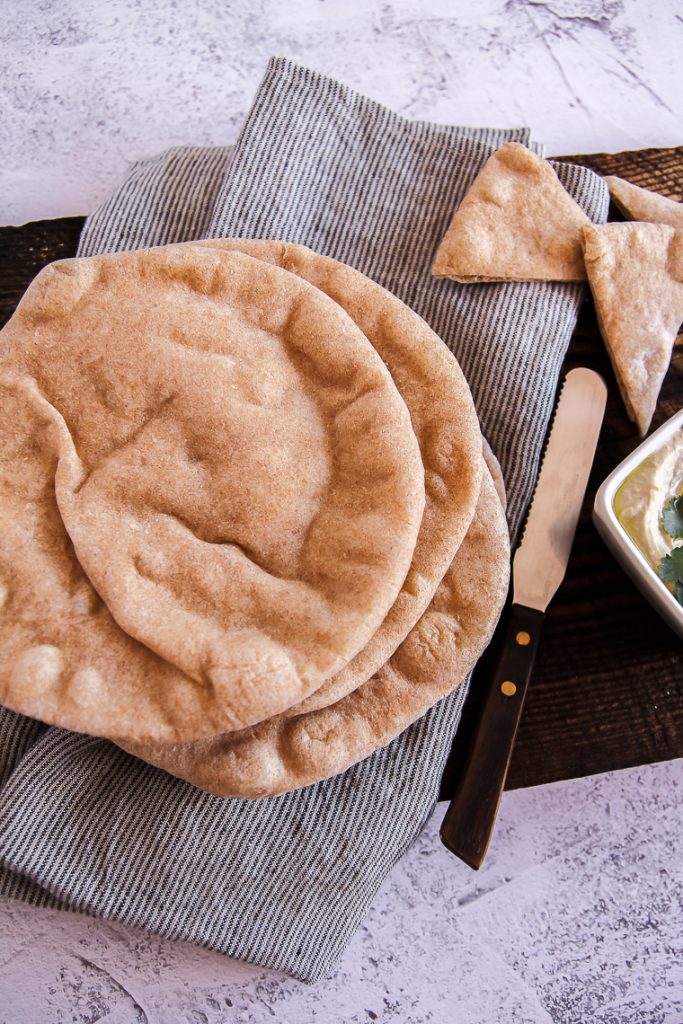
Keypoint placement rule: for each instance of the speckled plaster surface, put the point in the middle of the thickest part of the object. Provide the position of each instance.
(575, 918)
(89, 85)
(577, 915)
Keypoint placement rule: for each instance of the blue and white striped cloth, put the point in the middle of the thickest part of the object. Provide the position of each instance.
(284, 882)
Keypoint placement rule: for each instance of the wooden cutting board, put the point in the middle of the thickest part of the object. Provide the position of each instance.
(607, 688)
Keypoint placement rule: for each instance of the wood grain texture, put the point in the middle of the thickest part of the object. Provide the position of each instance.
(607, 687)
(660, 170)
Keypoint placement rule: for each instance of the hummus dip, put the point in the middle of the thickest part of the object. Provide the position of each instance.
(640, 500)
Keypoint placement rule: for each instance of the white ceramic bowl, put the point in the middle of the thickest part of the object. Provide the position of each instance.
(618, 540)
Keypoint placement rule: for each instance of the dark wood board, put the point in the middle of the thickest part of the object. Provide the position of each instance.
(607, 687)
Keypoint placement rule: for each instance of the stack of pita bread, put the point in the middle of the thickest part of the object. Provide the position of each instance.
(517, 223)
(250, 532)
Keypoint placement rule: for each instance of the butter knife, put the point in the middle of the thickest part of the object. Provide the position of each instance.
(538, 568)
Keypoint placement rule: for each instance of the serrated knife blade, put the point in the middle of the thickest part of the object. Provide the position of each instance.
(538, 568)
(540, 563)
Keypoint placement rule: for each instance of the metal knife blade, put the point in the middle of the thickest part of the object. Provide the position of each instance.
(540, 563)
(538, 569)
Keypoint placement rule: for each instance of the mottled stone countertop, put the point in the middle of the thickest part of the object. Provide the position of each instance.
(90, 86)
(576, 916)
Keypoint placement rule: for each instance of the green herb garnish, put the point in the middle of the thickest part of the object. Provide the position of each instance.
(670, 569)
(672, 517)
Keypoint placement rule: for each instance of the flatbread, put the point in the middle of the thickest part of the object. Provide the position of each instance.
(444, 420)
(642, 204)
(493, 466)
(206, 450)
(287, 753)
(516, 223)
(635, 272)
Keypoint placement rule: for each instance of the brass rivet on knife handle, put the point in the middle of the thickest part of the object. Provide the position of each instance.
(468, 825)
(538, 568)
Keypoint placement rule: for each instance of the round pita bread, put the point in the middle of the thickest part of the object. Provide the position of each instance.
(444, 420)
(286, 753)
(206, 450)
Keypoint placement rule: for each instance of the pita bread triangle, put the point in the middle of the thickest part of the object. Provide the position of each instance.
(516, 223)
(642, 204)
(635, 272)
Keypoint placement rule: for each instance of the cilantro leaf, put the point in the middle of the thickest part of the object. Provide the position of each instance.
(672, 517)
(670, 568)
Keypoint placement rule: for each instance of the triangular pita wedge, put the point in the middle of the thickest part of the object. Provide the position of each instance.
(636, 276)
(516, 223)
(642, 204)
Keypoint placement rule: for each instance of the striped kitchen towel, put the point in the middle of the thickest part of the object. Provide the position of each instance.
(284, 882)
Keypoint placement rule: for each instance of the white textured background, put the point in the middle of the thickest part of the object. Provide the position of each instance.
(577, 914)
(90, 85)
(575, 918)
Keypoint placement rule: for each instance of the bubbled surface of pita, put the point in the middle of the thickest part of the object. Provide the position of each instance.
(435, 657)
(445, 422)
(213, 493)
(280, 755)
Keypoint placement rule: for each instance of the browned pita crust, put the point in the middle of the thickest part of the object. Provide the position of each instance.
(493, 466)
(444, 420)
(516, 223)
(635, 272)
(642, 204)
(287, 753)
(239, 477)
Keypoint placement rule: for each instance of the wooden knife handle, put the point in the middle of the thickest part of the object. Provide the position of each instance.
(468, 825)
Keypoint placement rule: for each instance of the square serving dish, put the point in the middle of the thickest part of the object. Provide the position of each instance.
(618, 540)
